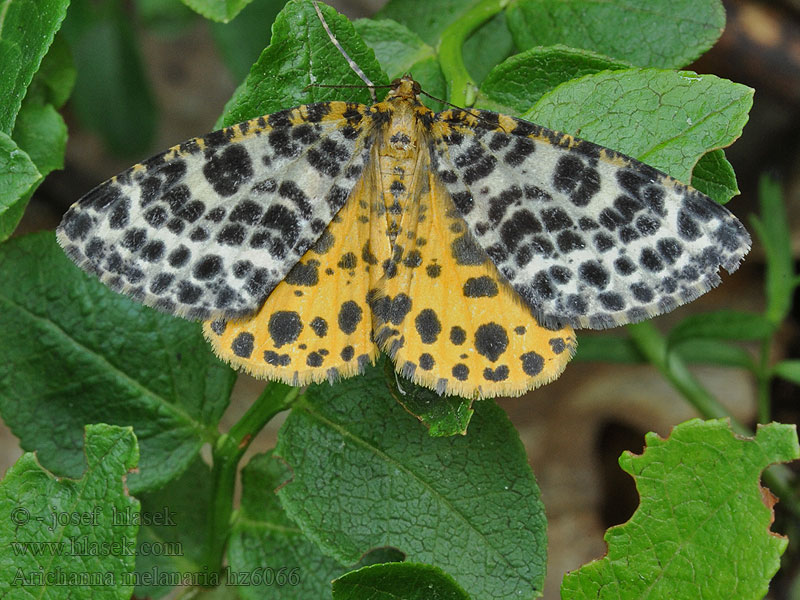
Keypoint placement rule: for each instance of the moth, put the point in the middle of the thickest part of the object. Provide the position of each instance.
(465, 244)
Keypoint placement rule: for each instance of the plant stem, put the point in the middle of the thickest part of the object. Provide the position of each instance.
(461, 89)
(654, 347)
(763, 375)
(227, 453)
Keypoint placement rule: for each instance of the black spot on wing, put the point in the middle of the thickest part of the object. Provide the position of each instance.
(207, 267)
(304, 274)
(491, 340)
(120, 214)
(574, 178)
(433, 271)
(650, 260)
(426, 361)
(277, 360)
(242, 345)
(555, 219)
(499, 374)
(480, 287)
(594, 273)
(460, 372)
(179, 256)
(289, 189)
(228, 170)
(348, 261)
(314, 359)
(284, 327)
(350, 315)
(466, 251)
(523, 147)
(532, 363)
(280, 119)
(398, 309)
(317, 111)
(517, 226)
(328, 158)
(457, 335)
(475, 163)
(428, 326)
(247, 212)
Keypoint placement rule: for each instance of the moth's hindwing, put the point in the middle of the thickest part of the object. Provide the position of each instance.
(447, 317)
(316, 324)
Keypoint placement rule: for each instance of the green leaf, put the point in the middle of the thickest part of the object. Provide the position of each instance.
(62, 538)
(713, 175)
(221, 11)
(772, 227)
(112, 94)
(55, 79)
(74, 352)
(301, 54)
(488, 45)
(656, 33)
(399, 51)
(788, 370)
(165, 17)
(419, 18)
(667, 119)
(517, 83)
(222, 592)
(39, 131)
(42, 134)
(607, 348)
(10, 218)
(241, 41)
(175, 523)
(388, 483)
(442, 415)
(721, 325)
(714, 352)
(27, 28)
(263, 535)
(396, 47)
(398, 581)
(18, 175)
(683, 541)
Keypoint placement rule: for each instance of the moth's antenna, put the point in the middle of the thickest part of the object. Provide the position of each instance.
(345, 85)
(356, 69)
(424, 93)
(471, 111)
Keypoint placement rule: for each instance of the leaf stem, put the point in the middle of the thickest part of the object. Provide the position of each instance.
(461, 88)
(227, 453)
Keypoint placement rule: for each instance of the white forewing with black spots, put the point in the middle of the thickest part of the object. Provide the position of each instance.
(586, 236)
(210, 227)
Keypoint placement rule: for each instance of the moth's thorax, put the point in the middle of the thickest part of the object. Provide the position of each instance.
(399, 158)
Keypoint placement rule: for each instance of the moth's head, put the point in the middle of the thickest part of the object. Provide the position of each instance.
(405, 87)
